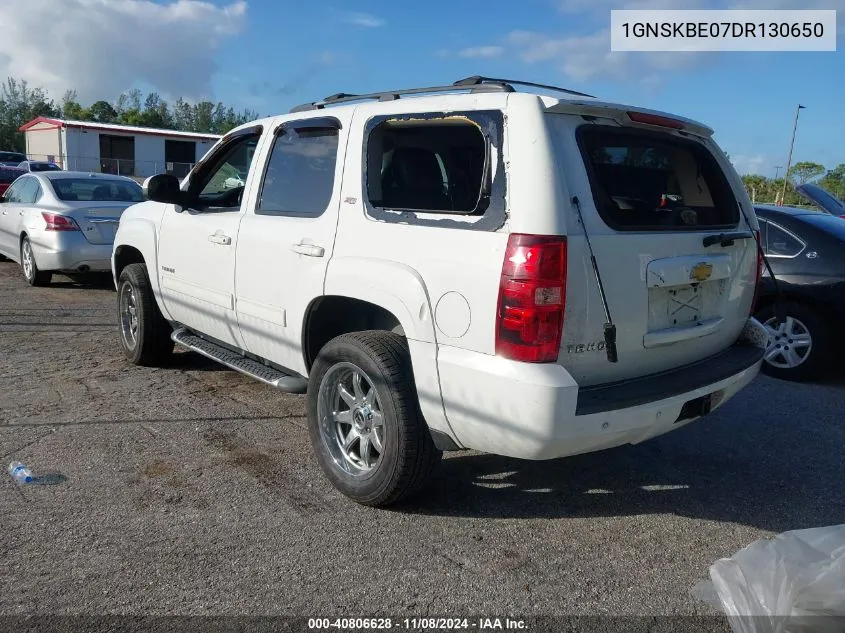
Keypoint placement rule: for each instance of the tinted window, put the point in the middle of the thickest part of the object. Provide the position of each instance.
(779, 243)
(44, 167)
(435, 165)
(653, 181)
(97, 189)
(300, 174)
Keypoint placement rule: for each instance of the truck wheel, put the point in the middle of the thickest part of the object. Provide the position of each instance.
(144, 332)
(364, 419)
(799, 348)
(34, 277)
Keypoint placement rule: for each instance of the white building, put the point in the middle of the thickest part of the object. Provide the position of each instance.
(111, 148)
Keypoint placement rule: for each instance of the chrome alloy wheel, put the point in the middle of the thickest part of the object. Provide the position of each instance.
(790, 343)
(351, 419)
(128, 316)
(27, 259)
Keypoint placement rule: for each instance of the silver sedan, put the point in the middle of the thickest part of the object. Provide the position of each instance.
(63, 221)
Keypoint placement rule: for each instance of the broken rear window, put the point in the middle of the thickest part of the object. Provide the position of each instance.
(647, 181)
(434, 165)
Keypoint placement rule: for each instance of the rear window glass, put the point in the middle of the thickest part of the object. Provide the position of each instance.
(10, 156)
(44, 167)
(651, 181)
(97, 190)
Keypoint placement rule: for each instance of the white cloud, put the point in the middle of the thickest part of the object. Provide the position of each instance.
(101, 47)
(366, 20)
(588, 57)
(761, 164)
(482, 51)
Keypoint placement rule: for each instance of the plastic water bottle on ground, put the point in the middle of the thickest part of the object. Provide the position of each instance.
(20, 473)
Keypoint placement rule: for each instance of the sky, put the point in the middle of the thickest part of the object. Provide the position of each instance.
(269, 55)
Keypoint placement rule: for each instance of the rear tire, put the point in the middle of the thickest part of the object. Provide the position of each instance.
(364, 420)
(33, 276)
(144, 333)
(799, 348)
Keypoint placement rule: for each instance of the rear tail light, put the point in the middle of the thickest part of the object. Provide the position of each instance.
(759, 278)
(57, 222)
(655, 119)
(532, 297)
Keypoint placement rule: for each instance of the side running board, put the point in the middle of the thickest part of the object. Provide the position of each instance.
(268, 375)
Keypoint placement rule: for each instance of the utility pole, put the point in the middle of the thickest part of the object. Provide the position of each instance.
(791, 146)
(777, 170)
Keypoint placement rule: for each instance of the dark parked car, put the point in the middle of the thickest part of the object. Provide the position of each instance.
(11, 158)
(806, 250)
(7, 176)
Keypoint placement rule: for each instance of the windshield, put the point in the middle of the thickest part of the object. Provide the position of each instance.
(97, 190)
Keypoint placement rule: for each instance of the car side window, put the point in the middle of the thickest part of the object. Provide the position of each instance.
(299, 179)
(221, 183)
(29, 192)
(13, 192)
(780, 243)
(434, 165)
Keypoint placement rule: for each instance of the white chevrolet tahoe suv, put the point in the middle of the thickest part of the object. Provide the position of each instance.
(457, 267)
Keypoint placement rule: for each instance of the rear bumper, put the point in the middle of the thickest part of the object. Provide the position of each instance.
(538, 411)
(69, 251)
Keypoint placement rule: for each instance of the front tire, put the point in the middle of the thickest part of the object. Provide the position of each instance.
(144, 332)
(364, 419)
(33, 276)
(799, 348)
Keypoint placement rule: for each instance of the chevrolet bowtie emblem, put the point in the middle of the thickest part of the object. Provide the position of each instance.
(701, 272)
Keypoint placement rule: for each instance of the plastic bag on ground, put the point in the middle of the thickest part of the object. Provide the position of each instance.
(794, 583)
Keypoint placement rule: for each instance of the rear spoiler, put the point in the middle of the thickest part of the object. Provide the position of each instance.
(628, 115)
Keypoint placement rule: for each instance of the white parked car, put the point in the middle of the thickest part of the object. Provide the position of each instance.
(457, 267)
(38, 165)
(63, 221)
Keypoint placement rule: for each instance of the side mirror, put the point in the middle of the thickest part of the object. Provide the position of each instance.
(164, 188)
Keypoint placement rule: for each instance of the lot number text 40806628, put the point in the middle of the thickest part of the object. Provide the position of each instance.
(418, 624)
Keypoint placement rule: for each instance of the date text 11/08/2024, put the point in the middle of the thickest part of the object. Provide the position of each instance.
(411, 624)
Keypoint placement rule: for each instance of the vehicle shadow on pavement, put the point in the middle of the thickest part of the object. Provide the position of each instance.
(88, 281)
(757, 462)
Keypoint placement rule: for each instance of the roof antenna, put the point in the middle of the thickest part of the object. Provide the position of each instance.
(609, 327)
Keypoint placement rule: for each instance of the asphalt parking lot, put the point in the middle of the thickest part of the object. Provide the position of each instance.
(192, 490)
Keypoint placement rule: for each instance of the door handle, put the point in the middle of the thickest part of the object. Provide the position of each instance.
(219, 238)
(312, 250)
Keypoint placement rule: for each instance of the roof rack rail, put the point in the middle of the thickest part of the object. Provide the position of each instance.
(392, 95)
(478, 80)
(476, 83)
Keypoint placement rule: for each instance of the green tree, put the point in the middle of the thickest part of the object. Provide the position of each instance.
(103, 112)
(834, 181)
(20, 104)
(804, 172)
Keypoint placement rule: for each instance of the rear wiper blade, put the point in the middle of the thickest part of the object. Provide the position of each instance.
(727, 239)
